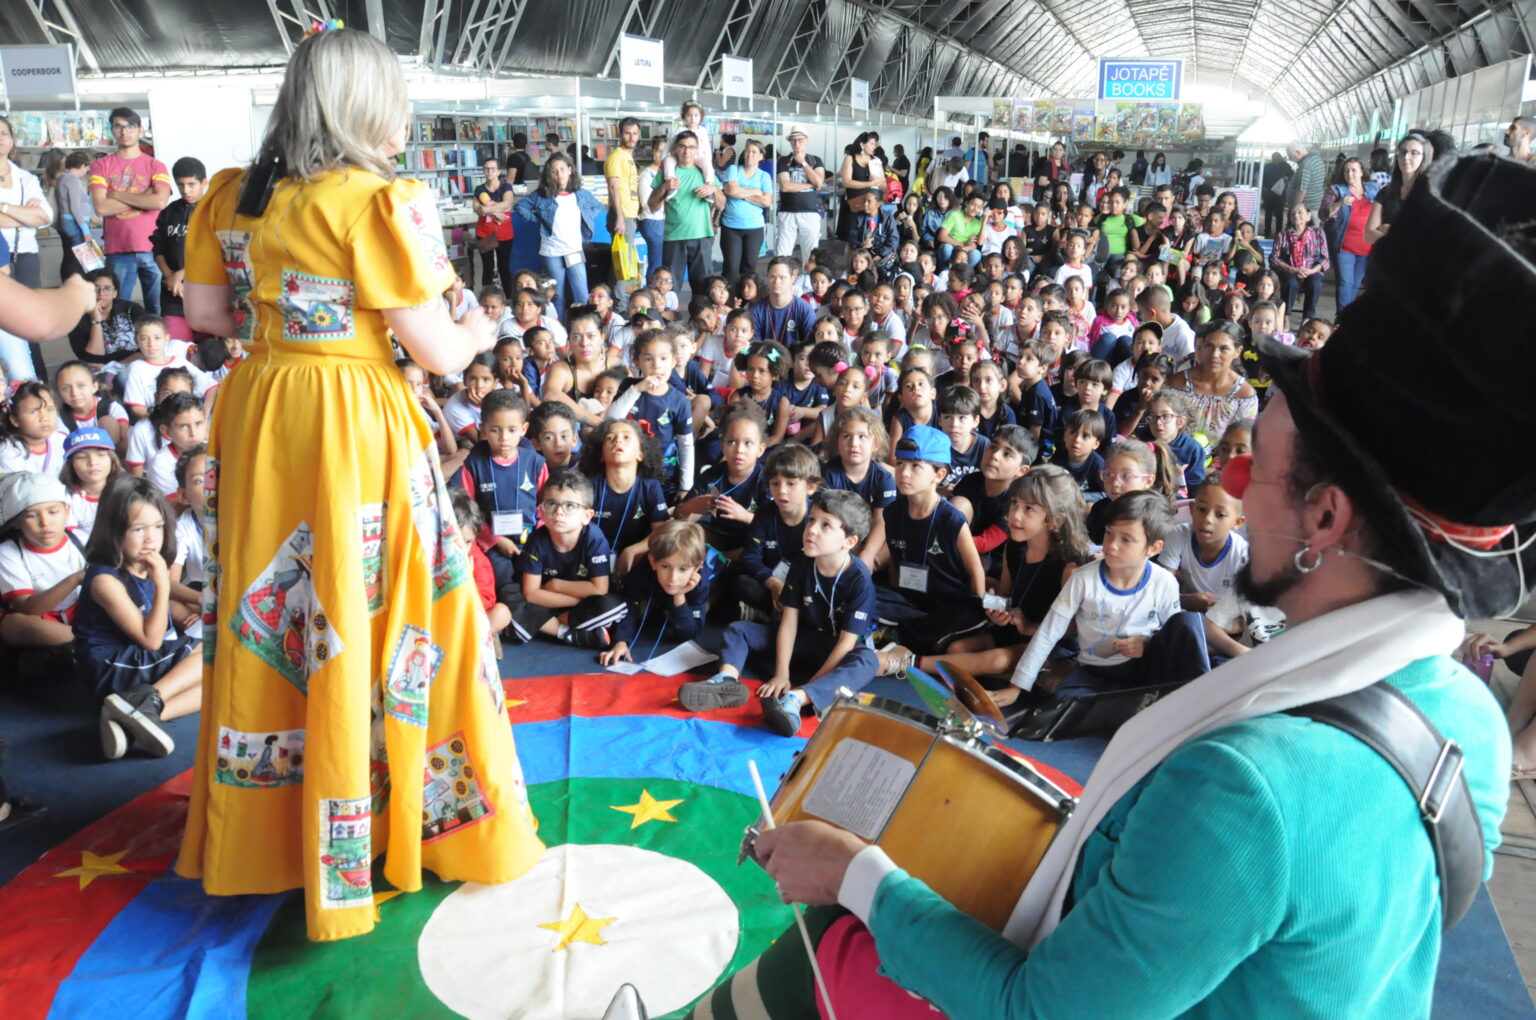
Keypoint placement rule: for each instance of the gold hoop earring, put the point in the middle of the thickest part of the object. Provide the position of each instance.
(1307, 568)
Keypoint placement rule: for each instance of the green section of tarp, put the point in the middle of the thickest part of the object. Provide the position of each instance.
(377, 974)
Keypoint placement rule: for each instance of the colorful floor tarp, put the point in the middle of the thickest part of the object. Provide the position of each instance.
(641, 804)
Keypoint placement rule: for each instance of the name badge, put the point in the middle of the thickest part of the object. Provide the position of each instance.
(912, 578)
(992, 602)
(507, 522)
(781, 571)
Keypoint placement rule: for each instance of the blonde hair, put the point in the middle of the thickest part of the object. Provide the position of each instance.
(343, 96)
(679, 538)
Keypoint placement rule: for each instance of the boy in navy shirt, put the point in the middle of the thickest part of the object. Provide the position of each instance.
(959, 418)
(1036, 408)
(565, 570)
(935, 577)
(503, 476)
(983, 496)
(829, 610)
(667, 594)
(1081, 436)
(793, 475)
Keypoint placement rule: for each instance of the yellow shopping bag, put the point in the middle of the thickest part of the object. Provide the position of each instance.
(626, 263)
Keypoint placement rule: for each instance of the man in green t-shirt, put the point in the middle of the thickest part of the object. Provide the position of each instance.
(690, 234)
(623, 189)
(961, 231)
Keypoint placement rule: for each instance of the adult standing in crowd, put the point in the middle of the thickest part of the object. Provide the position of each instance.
(653, 221)
(1301, 257)
(861, 171)
(328, 159)
(689, 202)
(1055, 165)
(169, 243)
(748, 194)
(901, 166)
(1139, 168)
(978, 160)
(1353, 199)
(1517, 137)
(623, 179)
(128, 187)
(73, 205)
(1309, 182)
(1415, 153)
(521, 169)
(1273, 184)
(23, 209)
(800, 179)
(1158, 174)
(565, 213)
(493, 230)
(1095, 178)
(779, 315)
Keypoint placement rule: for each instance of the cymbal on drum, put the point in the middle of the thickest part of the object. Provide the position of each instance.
(970, 692)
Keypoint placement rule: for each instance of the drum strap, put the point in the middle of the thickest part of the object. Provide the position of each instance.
(1385, 720)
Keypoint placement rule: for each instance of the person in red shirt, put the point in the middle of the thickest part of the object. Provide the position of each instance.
(128, 189)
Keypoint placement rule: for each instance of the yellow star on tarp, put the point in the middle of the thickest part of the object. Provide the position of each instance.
(648, 810)
(93, 866)
(579, 928)
(381, 897)
(514, 702)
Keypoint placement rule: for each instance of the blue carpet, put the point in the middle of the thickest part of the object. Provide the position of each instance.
(55, 758)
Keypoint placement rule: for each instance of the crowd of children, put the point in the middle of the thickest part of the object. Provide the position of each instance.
(921, 472)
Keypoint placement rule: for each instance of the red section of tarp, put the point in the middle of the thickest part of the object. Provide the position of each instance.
(49, 921)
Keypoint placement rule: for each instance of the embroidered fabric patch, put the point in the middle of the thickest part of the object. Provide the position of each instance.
(371, 523)
(346, 853)
(450, 796)
(408, 683)
(280, 620)
(235, 244)
(426, 226)
(433, 515)
(316, 307)
(259, 761)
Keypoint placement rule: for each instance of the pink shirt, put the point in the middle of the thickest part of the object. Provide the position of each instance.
(129, 231)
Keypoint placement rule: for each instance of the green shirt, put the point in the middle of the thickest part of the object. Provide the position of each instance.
(962, 229)
(688, 215)
(1115, 231)
(1276, 867)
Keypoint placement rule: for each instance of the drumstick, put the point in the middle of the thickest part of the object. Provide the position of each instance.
(810, 950)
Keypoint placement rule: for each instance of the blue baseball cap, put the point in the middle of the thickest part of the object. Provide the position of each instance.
(924, 442)
(91, 437)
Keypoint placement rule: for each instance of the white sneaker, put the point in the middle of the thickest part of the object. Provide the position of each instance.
(114, 742)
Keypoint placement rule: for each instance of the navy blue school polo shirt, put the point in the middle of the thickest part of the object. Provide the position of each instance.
(751, 492)
(829, 605)
(654, 621)
(627, 517)
(878, 488)
(771, 542)
(963, 465)
(932, 542)
(590, 558)
(504, 488)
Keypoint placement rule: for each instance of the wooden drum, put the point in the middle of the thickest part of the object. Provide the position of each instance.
(949, 808)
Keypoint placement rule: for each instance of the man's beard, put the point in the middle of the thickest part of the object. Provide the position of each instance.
(1270, 592)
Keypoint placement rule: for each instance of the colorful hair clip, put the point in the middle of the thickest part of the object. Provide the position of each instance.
(316, 27)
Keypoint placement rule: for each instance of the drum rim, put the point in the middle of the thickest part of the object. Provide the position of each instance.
(1017, 768)
(891, 707)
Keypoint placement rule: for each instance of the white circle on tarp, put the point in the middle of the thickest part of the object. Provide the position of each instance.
(674, 930)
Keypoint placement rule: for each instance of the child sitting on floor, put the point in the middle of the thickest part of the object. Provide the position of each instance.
(1130, 630)
(829, 610)
(667, 593)
(793, 475)
(41, 562)
(466, 514)
(565, 568)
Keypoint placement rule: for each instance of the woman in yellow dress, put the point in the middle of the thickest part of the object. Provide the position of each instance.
(343, 638)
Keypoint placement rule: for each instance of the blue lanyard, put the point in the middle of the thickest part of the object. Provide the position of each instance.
(831, 594)
(641, 628)
(932, 520)
(602, 504)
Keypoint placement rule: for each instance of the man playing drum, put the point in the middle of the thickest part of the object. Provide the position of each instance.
(1235, 851)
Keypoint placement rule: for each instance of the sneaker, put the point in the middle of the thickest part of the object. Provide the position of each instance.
(751, 614)
(895, 660)
(138, 713)
(720, 691)
(595, 639)
(782, 714)
(114, 742)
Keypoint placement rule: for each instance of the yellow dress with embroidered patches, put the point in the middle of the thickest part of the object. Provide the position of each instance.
(352, 702)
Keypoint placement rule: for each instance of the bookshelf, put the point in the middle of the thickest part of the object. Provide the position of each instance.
(446, 150)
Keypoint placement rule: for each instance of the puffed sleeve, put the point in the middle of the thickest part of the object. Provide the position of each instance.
(205, 252)
(399, 258)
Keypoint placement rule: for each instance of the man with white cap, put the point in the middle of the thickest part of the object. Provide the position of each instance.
(800, 178)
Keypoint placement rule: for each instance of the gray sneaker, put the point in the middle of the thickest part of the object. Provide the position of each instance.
(720, 691)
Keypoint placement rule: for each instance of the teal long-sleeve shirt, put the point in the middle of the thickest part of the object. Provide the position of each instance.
(1275, 867)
